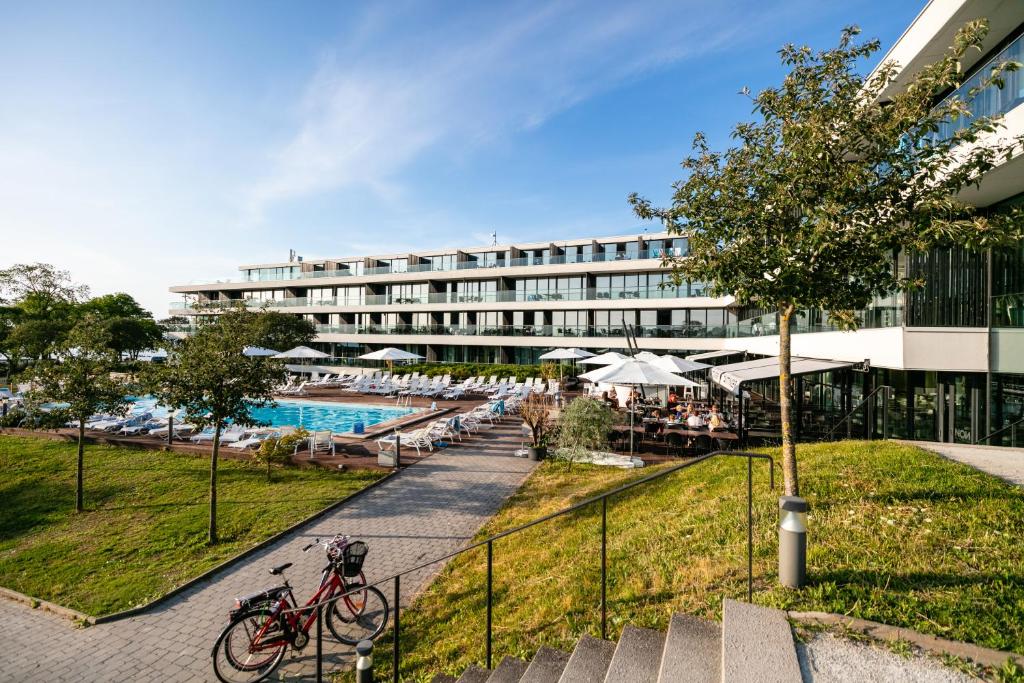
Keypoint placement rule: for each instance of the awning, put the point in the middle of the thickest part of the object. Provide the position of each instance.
(712, 354)
(732, 375)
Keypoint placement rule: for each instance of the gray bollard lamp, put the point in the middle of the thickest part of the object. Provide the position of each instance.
(792, 541)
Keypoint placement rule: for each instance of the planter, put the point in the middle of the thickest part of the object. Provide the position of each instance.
(537, 452)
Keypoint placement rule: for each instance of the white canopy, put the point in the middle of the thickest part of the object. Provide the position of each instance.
(301, 352)
(259, 351)
(677, 364)
(604, 359)
(712, 354)
(731, 376)
(636, 372)
(566, 354)
(647, 356)
(391, 353)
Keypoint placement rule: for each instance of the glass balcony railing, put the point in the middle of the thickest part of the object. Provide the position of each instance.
(991, 101)
(1008, 310)
(588, 294)
(647, 331)
(885, 312)
(281, 275)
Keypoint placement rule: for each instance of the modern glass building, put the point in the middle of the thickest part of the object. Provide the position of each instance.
(944, 363)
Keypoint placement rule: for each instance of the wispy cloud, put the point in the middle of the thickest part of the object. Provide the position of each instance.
(369, 112)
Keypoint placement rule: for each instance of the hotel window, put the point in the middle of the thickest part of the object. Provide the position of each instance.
(415, 293)
(631, 250)
(320, 296)
(569, 323)
(656, 248)
(350, 296)
(265, 295)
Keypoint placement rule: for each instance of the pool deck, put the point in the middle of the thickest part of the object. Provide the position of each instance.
(352, 452)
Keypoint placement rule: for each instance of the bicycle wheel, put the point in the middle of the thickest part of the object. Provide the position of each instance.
(361, 616)
(239, 655)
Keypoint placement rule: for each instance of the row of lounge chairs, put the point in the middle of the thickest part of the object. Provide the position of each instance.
(386, 384)
(454, 428)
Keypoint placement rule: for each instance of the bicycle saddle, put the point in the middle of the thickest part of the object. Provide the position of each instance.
(280, 568)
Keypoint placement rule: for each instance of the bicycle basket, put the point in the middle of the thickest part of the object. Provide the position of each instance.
(352, 558)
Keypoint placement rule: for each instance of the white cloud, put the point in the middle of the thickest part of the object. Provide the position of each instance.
(369, 113)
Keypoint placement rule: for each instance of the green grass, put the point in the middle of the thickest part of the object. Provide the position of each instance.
(144, 528)
(897, 535)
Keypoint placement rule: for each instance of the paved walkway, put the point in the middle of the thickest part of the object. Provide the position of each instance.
(430, 509)
(1005, 463)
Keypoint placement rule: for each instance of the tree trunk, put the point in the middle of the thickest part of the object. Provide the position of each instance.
(79, 485)
(792, 485)
(213, 484)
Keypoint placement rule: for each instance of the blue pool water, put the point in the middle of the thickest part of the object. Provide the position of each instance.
(337, 417)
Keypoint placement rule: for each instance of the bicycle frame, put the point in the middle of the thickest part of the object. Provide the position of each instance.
(330, 582)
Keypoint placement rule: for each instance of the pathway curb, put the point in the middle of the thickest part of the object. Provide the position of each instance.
(933, 644)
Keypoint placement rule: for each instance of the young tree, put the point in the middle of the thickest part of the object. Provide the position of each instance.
(78, 373)
(277, 451)
(211, 383)
(584, 426)
(832, 180)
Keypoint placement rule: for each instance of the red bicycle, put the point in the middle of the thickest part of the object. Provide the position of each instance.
(264, 625)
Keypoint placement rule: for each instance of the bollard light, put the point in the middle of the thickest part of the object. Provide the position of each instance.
(792, 541)
(364, 661)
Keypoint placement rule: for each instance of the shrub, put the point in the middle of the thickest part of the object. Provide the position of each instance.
(584, 426)
(277, 451)
(536, 414)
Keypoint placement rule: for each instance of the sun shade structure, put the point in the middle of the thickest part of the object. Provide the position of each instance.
(636, 372)
(301, 352)
(604, 359)
(712, 354)
(391, 354)
(733, 375)
(677, 364)
(648, 356)
(567, 354)
(253, 351)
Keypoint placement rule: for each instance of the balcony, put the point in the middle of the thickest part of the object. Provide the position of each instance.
(587, 294)
(991, 101)
(450, 267)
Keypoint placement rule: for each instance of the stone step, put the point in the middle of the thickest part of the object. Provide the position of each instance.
(637, 656)
(693, 651)
(474, 674)
(546, 666)
(589, 661)
(509, 671)
(757, 645)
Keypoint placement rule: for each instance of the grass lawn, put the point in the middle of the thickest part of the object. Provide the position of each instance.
(898, 535)
(144, 528)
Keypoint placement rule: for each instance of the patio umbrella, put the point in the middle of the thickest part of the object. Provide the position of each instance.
(301, 353)
(633, 372)
(604, 359)
(259, 351)
(648, 356)
(572, 354)
(677, 364)
(391, 354)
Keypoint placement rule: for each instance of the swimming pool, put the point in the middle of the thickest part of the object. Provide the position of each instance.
(337, 417)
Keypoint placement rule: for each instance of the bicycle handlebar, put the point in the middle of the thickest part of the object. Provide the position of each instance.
(325, 544)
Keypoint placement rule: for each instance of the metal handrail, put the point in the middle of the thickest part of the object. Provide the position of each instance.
(489, 543)
(850, 414)
(1000, 430)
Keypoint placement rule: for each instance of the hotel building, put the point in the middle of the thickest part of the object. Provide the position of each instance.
(942, 363)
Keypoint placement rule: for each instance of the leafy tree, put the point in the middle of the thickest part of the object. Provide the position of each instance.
(277, 451)
(24, 279)
(832, 180)
(212, 383)
(78, 373)
(131, 327)
(282, 331)
(584, 426)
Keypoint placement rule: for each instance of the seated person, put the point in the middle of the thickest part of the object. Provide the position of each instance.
(672, 399)
(613, 397)
(694, 421)
(680, 412)
(715, 419)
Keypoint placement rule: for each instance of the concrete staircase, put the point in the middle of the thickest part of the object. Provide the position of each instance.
(752, 645)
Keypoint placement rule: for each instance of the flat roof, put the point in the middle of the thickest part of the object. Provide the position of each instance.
(731, 376)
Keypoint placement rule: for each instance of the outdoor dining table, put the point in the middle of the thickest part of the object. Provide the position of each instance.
(681, 429)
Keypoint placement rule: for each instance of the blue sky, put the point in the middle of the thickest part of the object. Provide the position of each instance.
(150, 144)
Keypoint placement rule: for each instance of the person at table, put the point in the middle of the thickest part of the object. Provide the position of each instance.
(633, 400)
(715, 419)
(679, 412)
(672, 399)
(694, 421)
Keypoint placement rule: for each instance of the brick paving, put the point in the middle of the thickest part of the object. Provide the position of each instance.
(431, 508)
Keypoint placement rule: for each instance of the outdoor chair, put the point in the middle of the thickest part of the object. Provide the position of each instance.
(321, 442)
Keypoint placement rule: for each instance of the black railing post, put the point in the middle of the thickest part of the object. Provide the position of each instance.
(398, 449)
(885, 412)
(750, 530)
(395, 650)
(490, 598)
(604, 568)
(320, 643)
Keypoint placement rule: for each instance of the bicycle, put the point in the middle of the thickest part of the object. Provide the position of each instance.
(262, 626)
